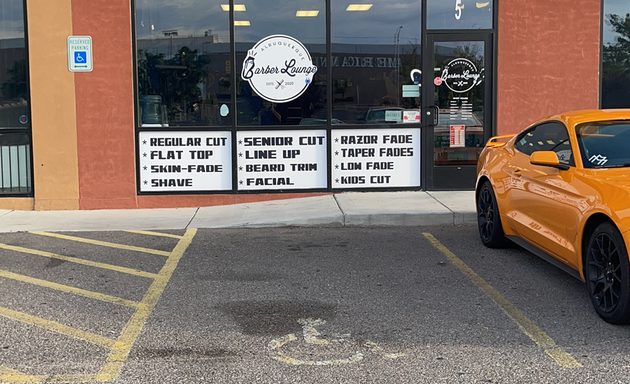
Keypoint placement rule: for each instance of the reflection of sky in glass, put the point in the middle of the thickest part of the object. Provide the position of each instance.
(195, 17)
(270, 17)
(11, 19)
(267, 17)
(187, 17)
(472, 14)
(618, 7)
(378, 25)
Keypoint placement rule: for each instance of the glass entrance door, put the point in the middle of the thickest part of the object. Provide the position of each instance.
(458, 108)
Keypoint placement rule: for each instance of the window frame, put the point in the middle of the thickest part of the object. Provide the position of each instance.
(26, 130)
(542, 126)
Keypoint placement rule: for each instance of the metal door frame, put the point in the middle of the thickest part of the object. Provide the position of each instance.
(461, 177)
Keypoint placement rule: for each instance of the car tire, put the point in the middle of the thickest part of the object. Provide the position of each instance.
(488, 218)
(607, 273)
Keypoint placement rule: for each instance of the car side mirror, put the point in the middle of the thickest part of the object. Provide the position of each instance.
(547, 159)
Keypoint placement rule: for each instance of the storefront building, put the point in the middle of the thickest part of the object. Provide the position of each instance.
(118, 104)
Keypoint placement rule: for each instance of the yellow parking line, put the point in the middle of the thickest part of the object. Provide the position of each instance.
(121, 347)
(104, 243)
(528, 327)
(68, 289)
(132, 329)
(57, 327)
(151, 233)
(8, 375)
(75, 260)
(77, 378)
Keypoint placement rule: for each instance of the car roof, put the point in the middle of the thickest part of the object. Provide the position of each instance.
(588, 115)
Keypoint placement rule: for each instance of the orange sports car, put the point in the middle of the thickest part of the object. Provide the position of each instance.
(561, 189)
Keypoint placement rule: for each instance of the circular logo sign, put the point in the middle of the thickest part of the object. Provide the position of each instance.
(279, 68)
(461, 75)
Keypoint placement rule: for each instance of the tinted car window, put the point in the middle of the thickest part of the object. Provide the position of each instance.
(604, 144)
(551, 136)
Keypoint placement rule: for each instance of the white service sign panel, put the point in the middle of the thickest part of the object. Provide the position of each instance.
(185, 161)
(281, 160)
(375, 158)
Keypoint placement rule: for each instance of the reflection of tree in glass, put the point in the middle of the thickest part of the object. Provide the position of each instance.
(15, 87)
(176, 80)
(474, 53)
(616, 64)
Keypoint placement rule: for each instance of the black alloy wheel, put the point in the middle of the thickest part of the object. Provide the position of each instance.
(608, 274)
(488, 219)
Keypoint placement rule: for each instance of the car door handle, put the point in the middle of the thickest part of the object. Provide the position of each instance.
(517, 172)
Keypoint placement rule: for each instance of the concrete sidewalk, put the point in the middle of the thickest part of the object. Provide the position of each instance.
(343, 209)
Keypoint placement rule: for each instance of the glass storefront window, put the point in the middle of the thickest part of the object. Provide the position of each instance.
(376, 61)
(183, 58)
(459, 132)
(15, 136)
(459, 14)
(14, 109)
(284, 35)
(15, 163)
(616, 55)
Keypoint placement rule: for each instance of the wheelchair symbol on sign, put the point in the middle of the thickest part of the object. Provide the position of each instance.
(313, 338)
(80, 57)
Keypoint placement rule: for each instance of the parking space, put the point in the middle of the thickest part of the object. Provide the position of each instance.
(79, 301)
(294, 305)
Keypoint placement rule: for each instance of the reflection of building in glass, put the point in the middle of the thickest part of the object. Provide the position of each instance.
(616, 59)
(364, 76)
(15, 140)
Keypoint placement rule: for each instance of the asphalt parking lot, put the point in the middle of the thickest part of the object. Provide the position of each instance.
(294, 305)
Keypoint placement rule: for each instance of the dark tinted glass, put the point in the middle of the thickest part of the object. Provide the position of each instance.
(616, 55)
(376, 60)
(14, 110)
(279, 49)
(552, 136)
(604, 144)
(15, 137)
(460, 94)
(459, 14)
(184, 76)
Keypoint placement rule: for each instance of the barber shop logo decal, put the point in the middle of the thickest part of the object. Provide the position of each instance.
(279, 68)
(461, 75)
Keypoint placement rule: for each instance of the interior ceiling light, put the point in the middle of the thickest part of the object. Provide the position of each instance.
(241, 23)
(237, 7)
(358, 7)
(306, 13)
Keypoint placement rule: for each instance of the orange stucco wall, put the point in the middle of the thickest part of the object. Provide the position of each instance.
(548, 60)
(55, 172)
(104, 99)
(105, 117)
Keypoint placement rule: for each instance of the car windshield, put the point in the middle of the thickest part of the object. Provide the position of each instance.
(604, 144)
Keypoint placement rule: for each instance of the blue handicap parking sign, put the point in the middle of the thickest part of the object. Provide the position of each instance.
(80, 57)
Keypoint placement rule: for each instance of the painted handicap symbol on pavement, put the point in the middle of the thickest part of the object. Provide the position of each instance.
(341, 346)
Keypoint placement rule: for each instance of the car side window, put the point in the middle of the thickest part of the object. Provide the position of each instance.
(549, 136)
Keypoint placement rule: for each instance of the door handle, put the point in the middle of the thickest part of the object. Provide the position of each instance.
(433, 111)
(517, 172)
